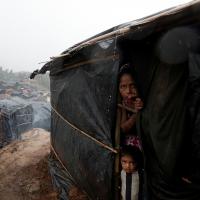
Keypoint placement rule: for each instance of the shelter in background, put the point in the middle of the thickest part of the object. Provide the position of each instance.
(165, 51)
(14, 119)
(18, 115)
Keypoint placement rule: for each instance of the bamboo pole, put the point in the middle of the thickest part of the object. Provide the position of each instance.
(117, 156)
(91, 61)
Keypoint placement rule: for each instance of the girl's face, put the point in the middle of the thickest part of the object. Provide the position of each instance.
(127, 87)
(128, 164)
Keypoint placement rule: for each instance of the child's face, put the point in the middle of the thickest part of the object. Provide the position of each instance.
(128, 164)
(127, 87)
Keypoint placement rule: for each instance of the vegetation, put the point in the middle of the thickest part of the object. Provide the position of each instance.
(10, 76)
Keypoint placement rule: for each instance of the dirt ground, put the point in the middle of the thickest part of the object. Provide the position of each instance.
(23, 168)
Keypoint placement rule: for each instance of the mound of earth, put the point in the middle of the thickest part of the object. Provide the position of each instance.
(24, 169)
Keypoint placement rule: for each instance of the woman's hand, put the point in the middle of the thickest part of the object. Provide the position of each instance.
(129, 101)
(127, 125)
(138, 104)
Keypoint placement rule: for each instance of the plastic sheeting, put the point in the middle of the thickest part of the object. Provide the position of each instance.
(18, 116)
(14, 119)
(85, 97)
(169, 123)
(166, 136)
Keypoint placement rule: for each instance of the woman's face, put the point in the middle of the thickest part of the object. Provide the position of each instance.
(127, 87)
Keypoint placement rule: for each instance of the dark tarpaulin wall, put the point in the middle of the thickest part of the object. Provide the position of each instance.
(166, 137)
(85, 96)
(194, 113)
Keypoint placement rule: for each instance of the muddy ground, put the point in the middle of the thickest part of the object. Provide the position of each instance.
(24, 169)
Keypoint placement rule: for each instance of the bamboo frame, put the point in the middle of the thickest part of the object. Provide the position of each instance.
(117, 156)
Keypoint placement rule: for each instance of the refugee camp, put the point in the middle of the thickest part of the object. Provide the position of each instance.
(100, 100)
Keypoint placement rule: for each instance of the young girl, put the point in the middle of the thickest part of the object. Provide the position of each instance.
(131, 174)
(130, 98)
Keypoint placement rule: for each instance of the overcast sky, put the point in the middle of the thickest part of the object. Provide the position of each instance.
(34, 30)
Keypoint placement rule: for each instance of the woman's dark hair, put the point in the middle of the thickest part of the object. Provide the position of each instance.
(126, 69)
(135, 153)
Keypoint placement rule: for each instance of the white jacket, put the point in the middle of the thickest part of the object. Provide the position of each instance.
(134, 185)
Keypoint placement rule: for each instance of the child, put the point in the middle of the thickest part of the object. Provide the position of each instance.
(131, 174)
(130, 98)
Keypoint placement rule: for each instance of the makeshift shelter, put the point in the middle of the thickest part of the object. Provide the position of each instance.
(165, 51)
(14, 119)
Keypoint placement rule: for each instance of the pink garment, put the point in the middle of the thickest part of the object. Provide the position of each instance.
(133, 140)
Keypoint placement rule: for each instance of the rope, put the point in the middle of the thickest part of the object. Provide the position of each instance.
(84, 133)
(60, 161)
